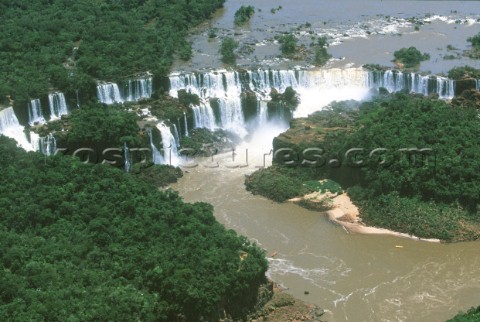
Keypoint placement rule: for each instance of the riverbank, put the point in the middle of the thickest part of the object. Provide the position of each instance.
(346, 214)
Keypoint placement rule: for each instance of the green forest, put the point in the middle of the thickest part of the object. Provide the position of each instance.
(82, 242)
(69, 44)
(432, 194)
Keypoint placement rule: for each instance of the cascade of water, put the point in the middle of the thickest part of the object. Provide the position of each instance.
(157, 157)
(203, 116)
(175, 133)
(185, 123)
(109, 93)
(170, 155)
(9, 126)
(477, 81)
(128, 158)
(138, 88)
(35, 114)
(316, 88)
(58, 105)
(46, 145)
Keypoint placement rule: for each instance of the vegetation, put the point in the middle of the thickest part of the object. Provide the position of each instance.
(288, 44)
(277, 183)
(475, 41)
(465, 71)
(95, 243)
(159, 175)
(321, 54)
(244, 14)
(432, 194)
(410, 57)
(227, 50)
(46, 44)
(205, 142)
(472, 315)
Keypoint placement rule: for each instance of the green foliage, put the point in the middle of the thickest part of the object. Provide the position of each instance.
(243, 14)
(203, 140)
(187, 98)
(472, 315)
(100, 126)
(324, 186)
(277, 183)
(227, 50)
(465, 71)
(475, 41)
(410, 57)
(288, 44)
(93, 243)
(105, 40)
(289, 98)
(159, 175)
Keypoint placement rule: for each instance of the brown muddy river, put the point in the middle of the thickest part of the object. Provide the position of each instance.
(354, 277)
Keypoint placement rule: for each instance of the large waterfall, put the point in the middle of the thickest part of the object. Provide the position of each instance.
(58, 105)
(35, 114)
(46, 145)
(109, 93)
(316, 88)
(137, 89)
(169, 142)
(131, 91)
(9, 126)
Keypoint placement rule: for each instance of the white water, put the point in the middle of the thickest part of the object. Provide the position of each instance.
(35, 114)
(185, 123)
(128, 158)
(109, 93)
(132, 91)
(137, 89)
(46, 145)
(58, 105)
(169, 144)
(175, 133)
(9, 126)
(316, 88)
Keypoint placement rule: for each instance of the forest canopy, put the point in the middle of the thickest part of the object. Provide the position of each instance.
(65, 44)
(82, 242)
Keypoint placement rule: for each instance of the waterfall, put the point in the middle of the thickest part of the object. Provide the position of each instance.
(46, 145)
(128, 158)
(477, 82)
(175, 133)
(185, 123)
(157, 157)
(109, 93)
(9, 126)
(58, 105)
(35, 114)
(137, 89)
(170, 155)
(220, 91)
(203, 116)
(395, 81)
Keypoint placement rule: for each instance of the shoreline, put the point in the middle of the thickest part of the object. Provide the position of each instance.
(347, 215)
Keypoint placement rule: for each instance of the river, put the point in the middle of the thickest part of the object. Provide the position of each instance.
(353, 277)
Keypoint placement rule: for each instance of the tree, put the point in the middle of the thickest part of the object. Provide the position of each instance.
(288, 44)
(244, 14)
(227, 50)
(410, 57)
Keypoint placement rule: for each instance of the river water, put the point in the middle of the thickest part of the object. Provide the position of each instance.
(354, 277)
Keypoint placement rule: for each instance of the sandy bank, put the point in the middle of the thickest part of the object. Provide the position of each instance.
(346, 214)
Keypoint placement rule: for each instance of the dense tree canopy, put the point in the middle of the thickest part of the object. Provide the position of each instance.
(66, 44)
(83, 242)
